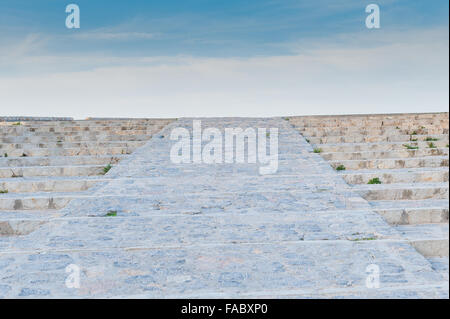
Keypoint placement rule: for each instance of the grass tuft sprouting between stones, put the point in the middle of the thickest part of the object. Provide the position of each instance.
(374, 180)
(409, 147)
(106, 169)
(111, 213)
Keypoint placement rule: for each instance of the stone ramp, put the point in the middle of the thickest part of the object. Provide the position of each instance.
(217, 230)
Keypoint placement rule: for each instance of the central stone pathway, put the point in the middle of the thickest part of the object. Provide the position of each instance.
(217, 230)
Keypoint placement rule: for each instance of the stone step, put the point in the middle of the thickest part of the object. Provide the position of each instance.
(327, 131)
(174, 201)
(377, 139)
(159, 228)
(86, 122)
(393, 163)
(326, 269)
(63, 170)
(431, 240)
(19, 130)
(78, 151)
(60, 160)
(377, 147)
(409, 212)
(405, 153)
(379, 124)
(389, 176)
(47, 184)
(11, 147)
(406, 191)
(366, 121)
(79, 138)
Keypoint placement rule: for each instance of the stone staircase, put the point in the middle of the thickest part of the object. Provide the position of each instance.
(47, 162)
(152, 228)
(399, 164)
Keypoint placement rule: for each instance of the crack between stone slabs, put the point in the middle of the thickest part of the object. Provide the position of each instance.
(82, 196)
(175, 247)
(217, 214)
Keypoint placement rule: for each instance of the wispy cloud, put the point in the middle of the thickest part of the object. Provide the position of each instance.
(409, 74)
(105, 35)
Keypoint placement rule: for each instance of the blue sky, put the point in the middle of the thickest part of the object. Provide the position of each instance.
(180, 47)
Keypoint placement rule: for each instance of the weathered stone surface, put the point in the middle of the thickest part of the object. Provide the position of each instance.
(407, 154)
(214, 230)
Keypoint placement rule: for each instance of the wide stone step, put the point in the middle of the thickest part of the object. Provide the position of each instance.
(18, 130)
(398, 124)
(408, 212)
(431, 240)
(405, 153)
(201, 203)
(81, 151)
(393, 163)
(414, 191)
(72, 170)
(47, 184)
(327, 269)
(79, 138)
(60, 160)
(378, 147)
(327, 131)
(389, 176)
(377, 139)
(11, 147)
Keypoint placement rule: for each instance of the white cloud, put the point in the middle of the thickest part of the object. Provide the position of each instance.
(409, 74)
(104, 35)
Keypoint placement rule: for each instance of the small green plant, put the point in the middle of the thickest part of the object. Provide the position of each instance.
(447, 145)
(111, 213)
(414, 140)
(267, 134)
(340, 168)
(431, 145)
(3, 191)
(106, 169)
(286, 118)
(429, 139)
(6, 154)
(409, 147)
(374, 180)
(24, 155)
(317, 150)
(17, 123)
(365, 238)
(414, 133)
(307, 140)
